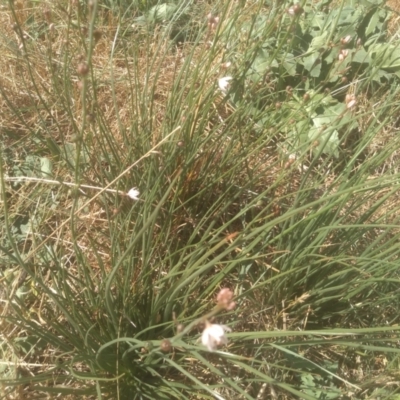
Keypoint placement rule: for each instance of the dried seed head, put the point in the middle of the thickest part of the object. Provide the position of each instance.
(90, 117)
(165, 346)
(212, 21)
(278, 105)
(345, 52)
(82, 69)
(97, 34)
(91, 4)
(47, 15)
(226, 65)
(290, 161)
(295, 10)
(277, 210)
(298, 9)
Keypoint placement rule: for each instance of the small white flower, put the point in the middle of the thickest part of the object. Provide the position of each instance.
(214, 336)
(133, 194)
(223, 83)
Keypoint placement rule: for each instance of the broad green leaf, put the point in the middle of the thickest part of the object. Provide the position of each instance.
(46, 167)
(289, 63)
(318, 41)
(386, 55)
(162, 12)
(312, 63)
(70, 153)
(259, 67)
(361, 56)
(380, 74)
(332, 55)
(326, 140)
(372, 25)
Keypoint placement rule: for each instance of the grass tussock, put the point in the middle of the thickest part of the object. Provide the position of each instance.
(281, 186)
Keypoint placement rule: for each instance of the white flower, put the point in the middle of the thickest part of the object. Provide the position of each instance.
(133, 194)
(223, 83)
(214, 336)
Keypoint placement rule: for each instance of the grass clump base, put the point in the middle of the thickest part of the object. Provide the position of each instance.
(199, 200)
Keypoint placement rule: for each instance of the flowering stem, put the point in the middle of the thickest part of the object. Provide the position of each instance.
(54, 182)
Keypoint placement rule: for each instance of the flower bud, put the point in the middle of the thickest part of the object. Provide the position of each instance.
(346, 40)
(165, 346)
(82, 69)
(225, 299)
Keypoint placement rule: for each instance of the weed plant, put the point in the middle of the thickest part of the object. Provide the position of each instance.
(262, 140)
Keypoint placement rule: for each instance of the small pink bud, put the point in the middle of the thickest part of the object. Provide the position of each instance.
(225, 299)
(212, 21)
(346, 39)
